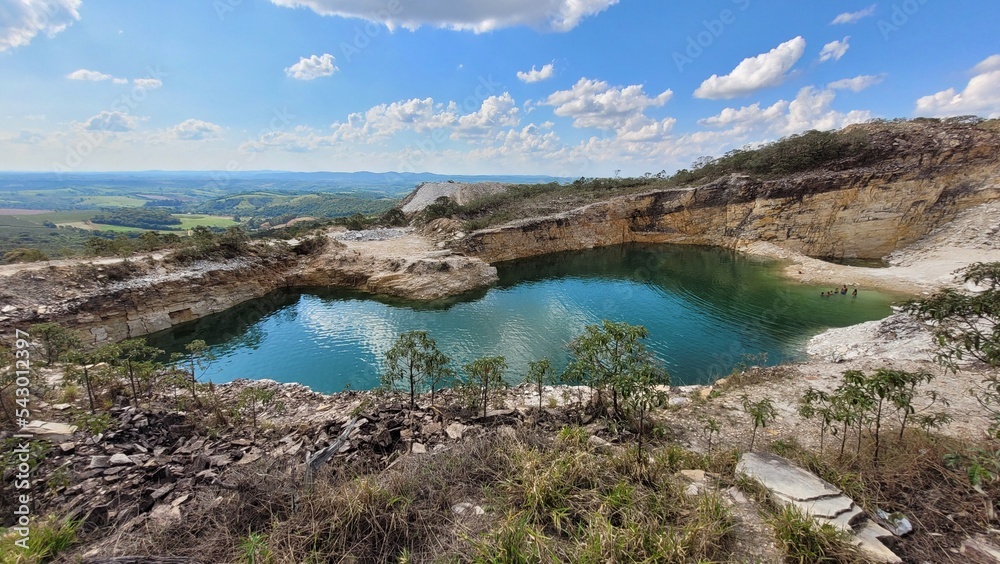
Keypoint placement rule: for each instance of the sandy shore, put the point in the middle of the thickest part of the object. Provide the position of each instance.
(919, 269)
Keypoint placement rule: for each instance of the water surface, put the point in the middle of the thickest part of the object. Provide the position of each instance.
(704, 309)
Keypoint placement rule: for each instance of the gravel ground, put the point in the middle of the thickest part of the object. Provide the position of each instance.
(381, 234)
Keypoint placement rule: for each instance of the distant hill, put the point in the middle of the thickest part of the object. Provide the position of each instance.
(390, 183)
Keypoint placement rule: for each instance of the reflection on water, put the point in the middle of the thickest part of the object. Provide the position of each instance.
(704, 309)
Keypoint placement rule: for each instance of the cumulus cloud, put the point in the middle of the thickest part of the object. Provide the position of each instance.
(834, 50)
(115, 122)
(854, 17)
(148, 83)
(858, 83)
(385, 120)
(811, 109)
(754, 73)
(747, 116)
(22, 20)
(532, 139)
(981, 95)
(556, 15)
(495, 112)
(593, 103)
(84, 74)
(313, 67)
(194, 130)
(544, 73)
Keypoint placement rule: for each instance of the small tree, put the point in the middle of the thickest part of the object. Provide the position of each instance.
(414, 358)
(438, 372)
(608, 357)
(55, 339)
(199, 356)
(711, 427)
(641, 393)
(761, 413)
(816, 403)
(966, 324)
(252, 401)
(137, 360)
(539, 373)
(84, 359)
(485, 377)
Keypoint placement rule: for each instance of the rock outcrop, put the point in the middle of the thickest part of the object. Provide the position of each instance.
(154, 295)
(927, 176)
(819, 499)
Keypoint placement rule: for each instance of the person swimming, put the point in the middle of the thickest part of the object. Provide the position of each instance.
(854, 294)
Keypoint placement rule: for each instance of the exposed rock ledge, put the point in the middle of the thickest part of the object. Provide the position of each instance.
(157, 295)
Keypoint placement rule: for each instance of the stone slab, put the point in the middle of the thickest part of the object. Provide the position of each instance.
(784, 478)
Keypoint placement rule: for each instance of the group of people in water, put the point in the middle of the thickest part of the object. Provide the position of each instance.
(842, 291)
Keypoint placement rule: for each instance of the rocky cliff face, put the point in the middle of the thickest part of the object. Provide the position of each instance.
(924, 176)
(154, 296)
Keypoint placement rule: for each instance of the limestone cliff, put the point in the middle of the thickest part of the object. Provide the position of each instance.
(154, 295)
(920, 177)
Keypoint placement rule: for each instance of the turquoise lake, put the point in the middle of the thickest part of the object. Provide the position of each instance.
(704, 309)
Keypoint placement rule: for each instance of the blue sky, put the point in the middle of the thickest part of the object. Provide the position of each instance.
(562, 87)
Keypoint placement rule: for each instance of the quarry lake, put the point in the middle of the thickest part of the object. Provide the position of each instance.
(704, 309)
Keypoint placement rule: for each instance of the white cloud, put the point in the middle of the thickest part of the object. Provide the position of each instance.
(544, 73)
(531, 139)
(991, 63)
(747, 116)
(25, 137)
(495, 112)
(313, 67)
(834, 50)
(854, 17)
(22, 20)
(194, 130)
(858, 83)
(385, 120)
(754, 73)
(981, 95)
(148, 83)
(477, 16)
(302, 139)
(593, 103)
(84, 74)
(115, 122)
(811, 109)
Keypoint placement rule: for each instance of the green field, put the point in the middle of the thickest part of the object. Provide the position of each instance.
(190, 220)
(112, 201)
(80, 220)
(74, 228)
